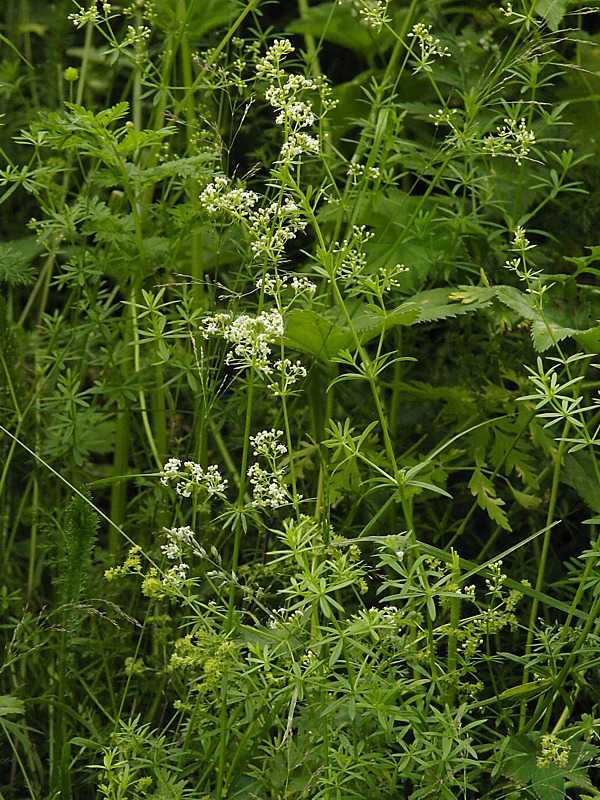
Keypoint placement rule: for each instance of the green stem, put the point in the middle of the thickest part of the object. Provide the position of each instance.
(314, 65)
(543, 559)
(239, 528)
(118, 491)
(214, 55)
(85, 59)
(546, 701)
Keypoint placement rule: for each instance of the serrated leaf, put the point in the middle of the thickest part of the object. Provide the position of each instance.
(516, 300)
(525, 500)
(556, 324)
(545, 336)
(438, 304)
(552, 11)
(579, 473)
(369, 323)
(15, 261)
(324, 338)
(104, 117)
(547, 782)
(589, 340)
(11, 705)
(315, 334)
(481, 487)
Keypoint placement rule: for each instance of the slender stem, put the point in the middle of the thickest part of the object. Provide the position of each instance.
(543, 559)
(239, 529)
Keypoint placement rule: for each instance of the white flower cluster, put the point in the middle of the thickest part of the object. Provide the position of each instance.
(266, 443)
(462, 134)
(520, 241)
(269, 66)
(90, 15)
(251, 337)
(352, 259)
(372, 12)
(512, 140)
(268, 488)
(285, 98)
(219, 196)
(179, 539)
(302, 285)
(176, 576)
(182, 541)
(495, 583)
(280, 617)
(286, 374)
(444, 117)
(273, 284)
(136, 36)
(287, 95)
(383, 281)
(357, 171)
(270, 227)
(296, 145)
(188, 476)
(352, 267)
(385, 616)
(428, 46)
(229, 68)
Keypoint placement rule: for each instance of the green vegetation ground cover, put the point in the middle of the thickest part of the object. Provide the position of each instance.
(299, 417)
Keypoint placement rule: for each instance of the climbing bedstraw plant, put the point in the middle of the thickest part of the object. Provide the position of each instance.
(295, 308)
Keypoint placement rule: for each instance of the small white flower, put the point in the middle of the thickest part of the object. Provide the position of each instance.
(300, 284)
(286, 374)
(90, 15)
(176, 576)
(185, 478)
(428, 46)
(171, 549)
(268, 491)
(250, 337)
(513, 140)
(266, 443)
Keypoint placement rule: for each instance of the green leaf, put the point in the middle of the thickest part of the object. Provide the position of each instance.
(438, 304)
(15, 261)
(14, 49)
(552, 11)
(547, 782)
(370, 323)
(525, 500)
(315, 334)
(557, 322)
(481, 487)
(532, 687)
(10, 705)
(208, 15)
(583, 262)
(589, 340)
(324, 338)
(579, 473)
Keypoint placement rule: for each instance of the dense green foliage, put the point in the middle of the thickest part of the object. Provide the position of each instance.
(299, 417)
